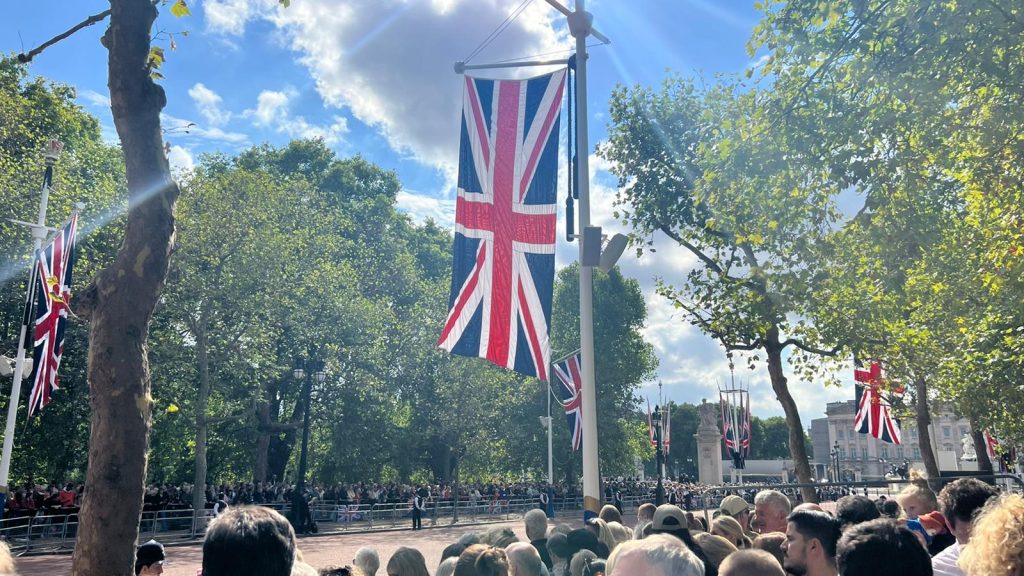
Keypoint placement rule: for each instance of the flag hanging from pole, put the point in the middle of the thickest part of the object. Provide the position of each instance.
(874, 410)
(53, 293)
(650, 426)
(569, 373)
(504, 254)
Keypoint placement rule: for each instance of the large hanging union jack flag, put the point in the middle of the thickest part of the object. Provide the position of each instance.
(570, 375)
(53, 294)
(874, 410)
(504, 261)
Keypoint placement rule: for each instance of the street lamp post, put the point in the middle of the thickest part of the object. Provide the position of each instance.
(835, 462)
(659, 494)
(300, 512)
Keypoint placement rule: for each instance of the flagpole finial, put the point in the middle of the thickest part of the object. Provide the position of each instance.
(52, 153)
(460, 67)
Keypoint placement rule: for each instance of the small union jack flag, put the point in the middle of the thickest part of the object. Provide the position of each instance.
(570, 375)
(874, 410)
(53, 295)
(504, 257)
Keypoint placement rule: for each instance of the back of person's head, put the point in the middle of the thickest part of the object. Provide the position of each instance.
(889, 508)
(249, 540)
(657, 555)
(452, 551)
(367, 560)
(997, 541)
(466, 566)
(492, 562)
(604, 535)
(524, 560)
(853, 509)
(336, 570)
(818, 526)
(469, 538)
(645, 512)
(609, 513)
(407, 562)
(882, 548)
(6, 561)
(498, 537)
(619, 532)
(728, 528)
(715, 548)
(579, 561)
(771, 542)
(447, 567)
(558, 547)
(961, 498)
(303, 569)
(751, 563)
(536, 523)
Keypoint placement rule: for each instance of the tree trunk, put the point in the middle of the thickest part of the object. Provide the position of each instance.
(797, 448)
(202, 426)
(455, 490)
(924, 433)
(119, 304)
(981, 449)
(259, 467)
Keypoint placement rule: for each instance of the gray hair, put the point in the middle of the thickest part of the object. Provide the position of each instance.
(447, 568)
(536, 522)
(367, 560)
(774, 499)
(662, 551)
(579, 561)
(524, 559)
(469, 538)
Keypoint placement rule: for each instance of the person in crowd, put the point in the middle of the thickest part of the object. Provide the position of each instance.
(610, 513)
(737, 508)
(536, 524)
(881, 548)
(810, 506)
(580, 560)
(524, 560)
(559, 552)
(407, 562)
(644, 514)
(771, 508)
(447, 567)
(772, 544)
(302, 569)
(889, 508)
(452, 550)
(492, 562)
(149, 559)
(669, 519)
(727, 527)
(854, 509)
(249, 540)
(997, 539)
(656, 555)
(599, 528)
(6, 561)
(619, 533)
(584, 539)
(499, 537)
(419, 506)
(751, 563)
(917, 498)
(810, 545)
(715, 548)
(959, 501)
(466, 566)
(367, 560)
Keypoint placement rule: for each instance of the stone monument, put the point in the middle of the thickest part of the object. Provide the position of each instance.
(709, 450)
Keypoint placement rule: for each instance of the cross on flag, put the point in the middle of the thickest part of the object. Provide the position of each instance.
(874, 411)
(570, 376)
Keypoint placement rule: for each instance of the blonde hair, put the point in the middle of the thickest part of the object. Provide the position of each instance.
(918, 489)
(604, 535)
(620, 532)
(731, 530)
(997, 539)
(715, 548)
(6, 562)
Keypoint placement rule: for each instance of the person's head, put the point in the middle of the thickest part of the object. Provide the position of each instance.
(771, 542)
(715, 548)
(657, 555)
(917, 499)
(727, 527)
(599, 528)
(809, 506)
(645, 513)
(737, 508)
(149, 559)
(6, 561)
(558, 548)
(536, 524)
(249, 540)
(407, 562)
(367, 560)
(580, 561)
(771, 508)
(466, 566)
(960, 500)
(609, 513)
(810, 544)
(498, 537)
(447, 567)
(889, 508)
(492, 562)
(881, 548)
(997, 539)
(583, 539)
(523, 560)
(852, 510)
(452, 551)
(619, 532)
(748, 562)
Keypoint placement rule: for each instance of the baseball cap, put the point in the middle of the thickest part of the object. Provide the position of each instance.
(151, 552)
(733, 505)
(669, 517)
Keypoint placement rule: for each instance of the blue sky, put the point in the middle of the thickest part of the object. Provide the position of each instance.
(375, 77)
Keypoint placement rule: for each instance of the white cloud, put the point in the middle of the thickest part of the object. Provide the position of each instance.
(231, 16)
(180, 158)
(271, 106)
(273, 111)
(94, 98)
(420, 207)
(181, 128)
(208, 103)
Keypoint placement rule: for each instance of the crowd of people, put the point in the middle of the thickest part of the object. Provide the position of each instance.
(968, 529)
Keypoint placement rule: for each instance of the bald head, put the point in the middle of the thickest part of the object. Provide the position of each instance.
(744, 562)
(808, 507)
(523, 560)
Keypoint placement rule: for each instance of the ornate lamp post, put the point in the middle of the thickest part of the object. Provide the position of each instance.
(306, 370)
(835, 462)
(659, 494)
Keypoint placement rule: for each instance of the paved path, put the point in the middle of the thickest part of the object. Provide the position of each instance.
(319, 551)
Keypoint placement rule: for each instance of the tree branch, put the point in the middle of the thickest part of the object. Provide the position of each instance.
(813, 350)
(27, 57)
(707, 260)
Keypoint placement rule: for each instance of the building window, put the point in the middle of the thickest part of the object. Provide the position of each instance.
(864, 453)
(839, 433)
(917, 453)
(964, 431)
(885, 452)
(913, 433)
(946, 432)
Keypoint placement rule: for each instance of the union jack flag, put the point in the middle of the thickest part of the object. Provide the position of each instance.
(504, 257)
(570, 375)
(874, 409)
(53, 290)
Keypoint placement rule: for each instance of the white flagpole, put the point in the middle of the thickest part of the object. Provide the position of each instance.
(39, 232)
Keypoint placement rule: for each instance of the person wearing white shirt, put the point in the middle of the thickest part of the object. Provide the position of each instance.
(958, 502)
